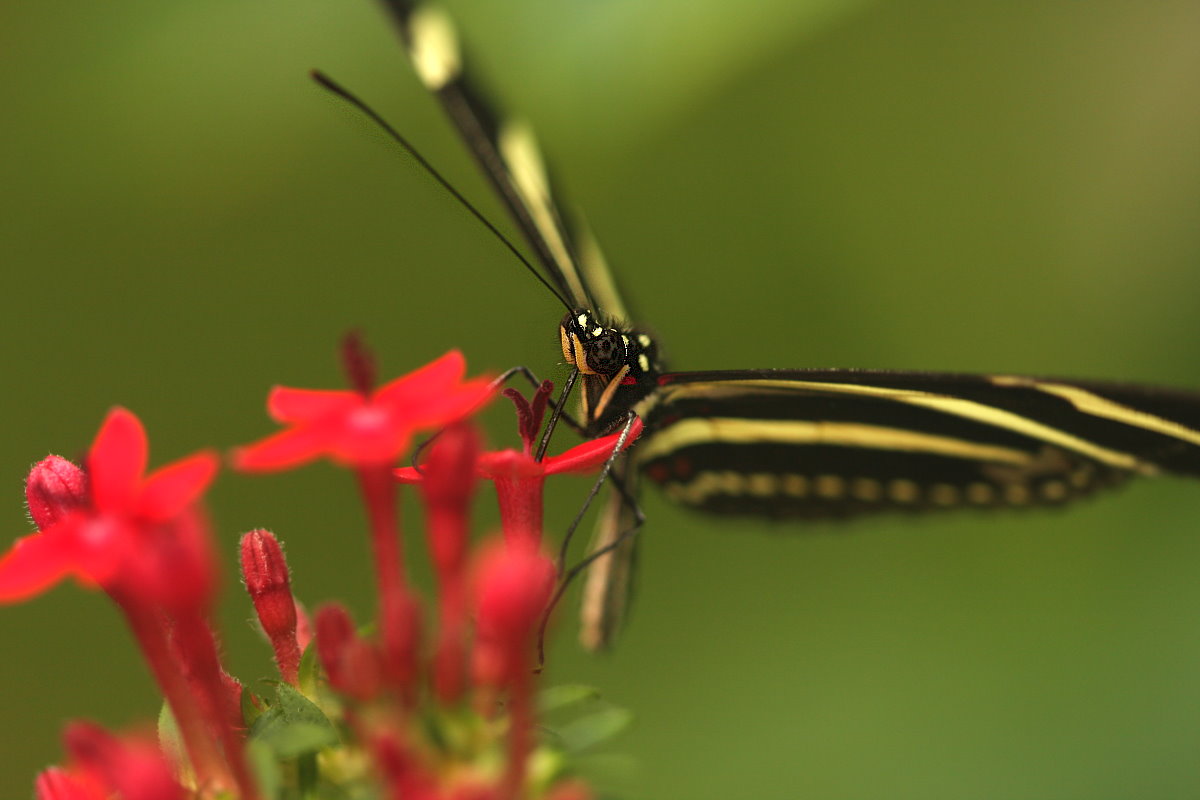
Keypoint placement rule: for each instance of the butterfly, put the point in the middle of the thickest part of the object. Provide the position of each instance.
(789, 443)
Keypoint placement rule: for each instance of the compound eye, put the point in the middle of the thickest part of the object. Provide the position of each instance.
(606, 353)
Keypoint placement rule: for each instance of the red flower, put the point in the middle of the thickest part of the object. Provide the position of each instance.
(363, 427)
(519, 478)
(125, 529)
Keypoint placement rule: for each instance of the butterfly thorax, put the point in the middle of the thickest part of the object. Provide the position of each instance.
(619, 367)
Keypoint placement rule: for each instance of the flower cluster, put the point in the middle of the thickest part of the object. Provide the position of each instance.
(400, 713)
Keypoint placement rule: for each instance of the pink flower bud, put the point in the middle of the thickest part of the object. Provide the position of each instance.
(266, 575)
(55, 487)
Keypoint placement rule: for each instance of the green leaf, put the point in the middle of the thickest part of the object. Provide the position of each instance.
(169, 738)
(293, 725)
(593, 729)
(309, 668)
(307, 774)
(554, 698)
(251, 710)
(265, 767)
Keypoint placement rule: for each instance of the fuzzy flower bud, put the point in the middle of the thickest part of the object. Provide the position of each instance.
(265, 572)
(55, 487)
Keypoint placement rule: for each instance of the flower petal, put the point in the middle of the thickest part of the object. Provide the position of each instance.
(176, 486)
(117, 460)
(37, 562)
(435, 378)
(285, 404)
(590, 455)
(431, 411)
(285, 449)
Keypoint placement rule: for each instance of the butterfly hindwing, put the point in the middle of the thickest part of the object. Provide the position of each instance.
(836, 443)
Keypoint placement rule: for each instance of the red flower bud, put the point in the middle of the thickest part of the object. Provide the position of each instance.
(514, 584)
(266, 575)
(304, 626)
(55, 487)
(400, 622)
(449, 483)
(130, 768)
(515, 581)
(56, 783)
(403, 772)
(350, 663)
(450, 470)
(447, 489)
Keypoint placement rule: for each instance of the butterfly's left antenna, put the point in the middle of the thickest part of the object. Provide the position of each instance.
(327, 83)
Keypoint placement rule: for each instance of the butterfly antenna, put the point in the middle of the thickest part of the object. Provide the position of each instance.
(332, 86)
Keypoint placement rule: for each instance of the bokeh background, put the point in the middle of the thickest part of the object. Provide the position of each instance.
(185, 220)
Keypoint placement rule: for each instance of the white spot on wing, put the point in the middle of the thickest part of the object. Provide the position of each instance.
(434, 51)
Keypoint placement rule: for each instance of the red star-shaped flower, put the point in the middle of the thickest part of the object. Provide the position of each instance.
(519, 478)
(118, 527)
(364, 428)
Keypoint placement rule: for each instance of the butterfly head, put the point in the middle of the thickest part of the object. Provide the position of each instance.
(595, 348)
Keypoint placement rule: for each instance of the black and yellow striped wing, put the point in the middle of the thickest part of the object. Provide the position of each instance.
(507, 151)
(838, 443)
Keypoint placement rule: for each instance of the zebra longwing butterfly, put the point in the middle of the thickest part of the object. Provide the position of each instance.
(794, 443)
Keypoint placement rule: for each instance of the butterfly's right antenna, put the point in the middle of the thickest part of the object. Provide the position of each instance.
(327, 83)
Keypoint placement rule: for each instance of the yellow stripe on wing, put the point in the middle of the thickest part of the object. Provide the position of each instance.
(1097, 406)
(954, 406)
(730, 430)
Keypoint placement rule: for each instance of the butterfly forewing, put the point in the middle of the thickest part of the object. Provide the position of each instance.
(508, 153)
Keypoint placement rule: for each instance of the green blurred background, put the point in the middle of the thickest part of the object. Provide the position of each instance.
(185, 220)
